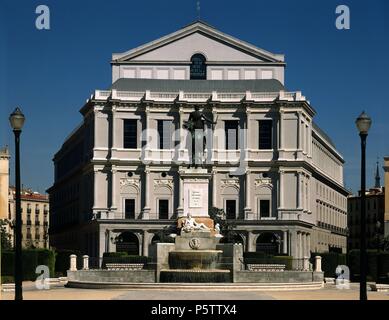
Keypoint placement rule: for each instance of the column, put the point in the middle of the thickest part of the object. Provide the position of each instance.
(145, 243)
(85, 262)
(318, 264)
(280, 140)
(250, 241)
(281, 193)
(299, 195)
(248, 140)
(304, 244)
(146, 181)
(293, 244)
(73, 262)
(148, 132)
(308, 245)
(95, 188)
(299, 245)
(285, 242)
(102, 241)
(182, 136)
(113, 188)
(299, 131)
(180, 209)
(214, 188)
(113, 126)
(247, 209)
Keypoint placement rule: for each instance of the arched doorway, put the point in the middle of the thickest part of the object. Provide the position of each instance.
(156, 239)
(128, 242)
(235, 238)
(268, 243)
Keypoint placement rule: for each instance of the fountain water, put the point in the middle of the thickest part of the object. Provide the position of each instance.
(195, 259)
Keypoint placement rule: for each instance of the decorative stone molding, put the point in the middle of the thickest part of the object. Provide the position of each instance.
(124, 182)
(163, 183)
(263, 182)
(230, 183)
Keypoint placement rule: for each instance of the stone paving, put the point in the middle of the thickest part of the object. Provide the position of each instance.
(58, 292)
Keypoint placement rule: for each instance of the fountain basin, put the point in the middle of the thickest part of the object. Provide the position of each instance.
(195, 276)
(194, 259)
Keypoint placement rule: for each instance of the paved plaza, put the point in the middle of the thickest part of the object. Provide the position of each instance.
(59, 292)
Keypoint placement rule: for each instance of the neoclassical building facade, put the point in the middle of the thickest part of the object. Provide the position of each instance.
(275, 173)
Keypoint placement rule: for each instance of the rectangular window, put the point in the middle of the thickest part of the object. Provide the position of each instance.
(130, 133)
(28, 233)
(163, 208)
(264, 208)
(37, 235)
(265, 134)
(231, 209)
(165, 134)
(232, 134)
(129, 208)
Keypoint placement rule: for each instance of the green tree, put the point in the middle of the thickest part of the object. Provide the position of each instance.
(5, 236)
(226, 227)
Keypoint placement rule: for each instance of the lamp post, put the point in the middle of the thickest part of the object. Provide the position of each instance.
(17, 120)
(363, 123)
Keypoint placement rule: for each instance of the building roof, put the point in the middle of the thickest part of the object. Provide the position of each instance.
(268, 85)
(323, 134)
(206, 29)
(29, 195)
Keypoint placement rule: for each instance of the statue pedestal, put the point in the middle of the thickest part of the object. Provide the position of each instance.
(195, 196)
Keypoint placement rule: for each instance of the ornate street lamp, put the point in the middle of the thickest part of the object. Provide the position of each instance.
(363, 123)
(17, 120)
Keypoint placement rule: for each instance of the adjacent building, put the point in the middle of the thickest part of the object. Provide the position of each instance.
(376, 220)
(276, 174)
(35, 217)
(4, 182)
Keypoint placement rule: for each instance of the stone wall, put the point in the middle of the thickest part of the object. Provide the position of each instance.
(277, 277)
(112, 276)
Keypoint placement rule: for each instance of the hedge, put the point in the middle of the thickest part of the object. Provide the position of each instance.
(31, 258)
(377, 265)
(123, 257)
(261, 257)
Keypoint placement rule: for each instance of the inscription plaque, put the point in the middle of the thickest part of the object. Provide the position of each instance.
(195, 199)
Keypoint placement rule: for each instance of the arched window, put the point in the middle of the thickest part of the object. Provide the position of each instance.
(198, 69)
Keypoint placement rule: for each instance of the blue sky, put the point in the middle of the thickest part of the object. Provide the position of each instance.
(49, 74)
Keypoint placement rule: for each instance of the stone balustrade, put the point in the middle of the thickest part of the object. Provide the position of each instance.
(199, 97)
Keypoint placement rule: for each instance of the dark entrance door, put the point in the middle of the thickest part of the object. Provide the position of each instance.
(128, 242)
(129, 208)
(163, 209)
(231, 209)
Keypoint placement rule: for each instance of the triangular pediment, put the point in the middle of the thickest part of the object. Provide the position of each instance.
(198, 37)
